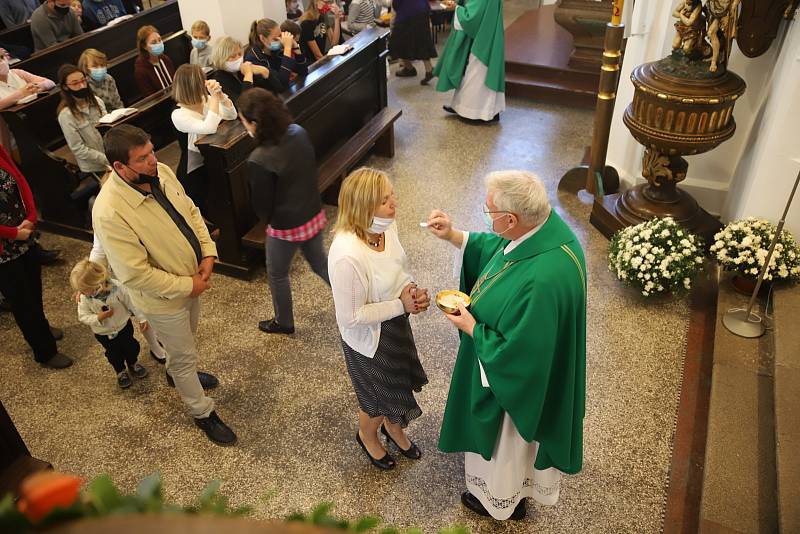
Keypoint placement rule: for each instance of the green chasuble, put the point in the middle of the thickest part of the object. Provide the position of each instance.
(530, 337)
(483, 36)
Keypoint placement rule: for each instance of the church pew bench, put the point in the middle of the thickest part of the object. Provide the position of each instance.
(113, 41)
(19, 35)
(378, 133)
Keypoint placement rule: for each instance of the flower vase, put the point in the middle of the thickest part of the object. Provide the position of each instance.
(746, 284)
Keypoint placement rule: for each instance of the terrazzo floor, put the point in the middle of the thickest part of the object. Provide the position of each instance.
(289, 398)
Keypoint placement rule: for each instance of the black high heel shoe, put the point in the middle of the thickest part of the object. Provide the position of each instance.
(412, 452)
(385, 463)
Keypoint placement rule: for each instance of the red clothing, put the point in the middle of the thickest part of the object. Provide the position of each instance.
(304, 232)
(10, 232)
(150, 78)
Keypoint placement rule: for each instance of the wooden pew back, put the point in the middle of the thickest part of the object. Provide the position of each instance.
(19, 35)
(114, 41)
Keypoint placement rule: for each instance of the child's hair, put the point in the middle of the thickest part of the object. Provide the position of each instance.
(93, 56)
(88, 276)
(201, 26)
(291, 27)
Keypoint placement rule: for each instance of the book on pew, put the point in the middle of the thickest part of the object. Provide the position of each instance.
(29, 98)
(116, 115)
(339, 50)
(118, 20)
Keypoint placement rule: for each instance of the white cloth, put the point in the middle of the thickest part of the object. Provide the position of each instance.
(366, 287)
(472, 99)
(118, 300)
(195, 124)
(509, 476)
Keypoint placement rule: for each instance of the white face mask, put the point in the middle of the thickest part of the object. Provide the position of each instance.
(379, 225)
(233, 66)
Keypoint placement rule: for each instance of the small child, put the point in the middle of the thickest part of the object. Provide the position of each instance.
(105, 306)
(201, 47)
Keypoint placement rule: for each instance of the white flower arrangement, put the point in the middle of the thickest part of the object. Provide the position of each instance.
(656, 256)
(742, 247)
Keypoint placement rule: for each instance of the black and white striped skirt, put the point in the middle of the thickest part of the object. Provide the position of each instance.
(385, 384)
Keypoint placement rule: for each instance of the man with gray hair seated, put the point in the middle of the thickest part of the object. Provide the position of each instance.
(517, 395)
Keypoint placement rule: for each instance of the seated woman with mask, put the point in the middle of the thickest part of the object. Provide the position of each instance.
(236, 75)
(154, 69)
(94, 64)
(277, 50)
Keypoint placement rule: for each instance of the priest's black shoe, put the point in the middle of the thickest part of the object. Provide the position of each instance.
(207, 380)
(215, 429)
(162, 361)
(385, 463)
(272, 327)
(471, 501)
(412, 452)
(449, 109)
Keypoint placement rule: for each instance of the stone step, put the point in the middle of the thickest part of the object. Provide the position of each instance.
(787, 406)
(739, 494)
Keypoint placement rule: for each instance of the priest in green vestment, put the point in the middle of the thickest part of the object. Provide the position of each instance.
(517, 396)
(473, 61)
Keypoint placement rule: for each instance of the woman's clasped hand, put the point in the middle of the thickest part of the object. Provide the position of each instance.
(414, 299)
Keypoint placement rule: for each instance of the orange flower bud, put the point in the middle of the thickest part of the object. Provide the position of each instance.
(45, 491)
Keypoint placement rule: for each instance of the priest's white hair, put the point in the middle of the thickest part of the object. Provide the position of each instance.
(519, 192)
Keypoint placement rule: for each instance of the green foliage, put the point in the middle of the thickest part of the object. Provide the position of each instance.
(321, 516)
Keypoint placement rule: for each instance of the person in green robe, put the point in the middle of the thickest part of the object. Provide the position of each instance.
(473, 61)
(517, 395)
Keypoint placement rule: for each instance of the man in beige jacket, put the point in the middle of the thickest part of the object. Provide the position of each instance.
(159, 248)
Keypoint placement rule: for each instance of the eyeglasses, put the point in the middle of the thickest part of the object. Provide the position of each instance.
(487, 210)
(77, 83)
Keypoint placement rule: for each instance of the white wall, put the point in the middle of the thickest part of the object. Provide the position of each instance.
(709, 176)
(771, 160)
(230, 17)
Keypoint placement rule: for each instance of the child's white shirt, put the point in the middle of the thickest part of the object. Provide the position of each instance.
(118, 300)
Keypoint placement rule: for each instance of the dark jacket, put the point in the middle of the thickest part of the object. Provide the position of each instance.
(233, 86)
(145, 73)
(284, 191)
(279, 65)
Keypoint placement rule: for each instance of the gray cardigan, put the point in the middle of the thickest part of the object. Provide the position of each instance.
(83, 139)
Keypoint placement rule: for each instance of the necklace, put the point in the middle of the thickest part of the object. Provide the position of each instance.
(374, 244)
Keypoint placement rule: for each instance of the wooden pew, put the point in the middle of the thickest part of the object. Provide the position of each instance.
(113, 41)
(19, 35)
(52, 177)
(342, 103)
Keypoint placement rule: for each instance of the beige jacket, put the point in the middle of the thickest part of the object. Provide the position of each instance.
(147, 252)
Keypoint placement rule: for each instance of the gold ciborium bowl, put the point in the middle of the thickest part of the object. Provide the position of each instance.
(448, 299)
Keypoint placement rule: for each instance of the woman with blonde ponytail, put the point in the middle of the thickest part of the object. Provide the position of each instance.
(276, 50)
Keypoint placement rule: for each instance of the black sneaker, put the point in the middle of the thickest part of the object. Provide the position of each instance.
(406, 73)
(124, 380)
(207, 380)
(138, 370)
(59, 361)
(428, 77)
(215, 429)
(272, 327)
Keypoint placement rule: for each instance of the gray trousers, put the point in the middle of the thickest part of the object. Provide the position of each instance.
(176, 331)
(279, 259)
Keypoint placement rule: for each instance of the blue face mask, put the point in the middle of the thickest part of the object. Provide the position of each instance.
(199, 43)
(157, 49)
(275, 46)
(489, 222)
(98, 74)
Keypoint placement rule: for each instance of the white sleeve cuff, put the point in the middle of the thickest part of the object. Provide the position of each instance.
(458, 256)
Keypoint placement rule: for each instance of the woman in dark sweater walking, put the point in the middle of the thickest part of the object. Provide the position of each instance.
(282, 173)
(411, 37)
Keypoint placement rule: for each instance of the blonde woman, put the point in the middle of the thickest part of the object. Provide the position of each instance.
(94, 64)
(201, 107)
(236, 75)
(374, 292)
